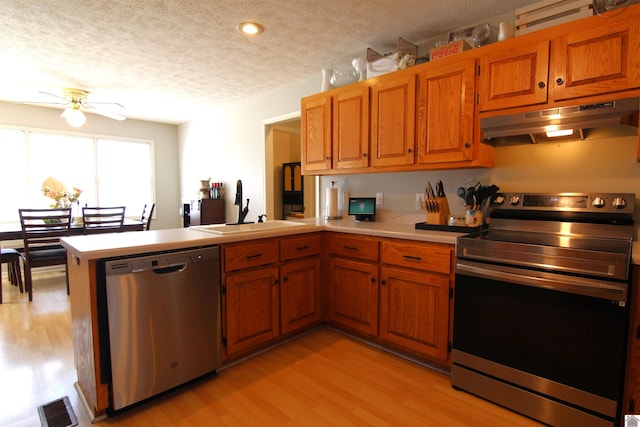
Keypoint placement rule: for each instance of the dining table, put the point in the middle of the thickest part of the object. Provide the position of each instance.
(13, 230)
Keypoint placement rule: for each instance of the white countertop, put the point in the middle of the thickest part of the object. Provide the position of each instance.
(131, 243)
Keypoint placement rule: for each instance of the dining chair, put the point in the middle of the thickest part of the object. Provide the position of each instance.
(11, 257)
(103, 219)
(41, 232)
(147, 223)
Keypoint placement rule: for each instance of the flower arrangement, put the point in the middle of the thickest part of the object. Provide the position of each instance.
(55, 190)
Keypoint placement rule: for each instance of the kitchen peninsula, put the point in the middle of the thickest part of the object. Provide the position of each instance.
(371, 256)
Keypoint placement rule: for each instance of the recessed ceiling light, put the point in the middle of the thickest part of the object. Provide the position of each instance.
(249, 28)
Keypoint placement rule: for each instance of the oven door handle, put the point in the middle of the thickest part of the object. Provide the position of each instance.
(540, 279)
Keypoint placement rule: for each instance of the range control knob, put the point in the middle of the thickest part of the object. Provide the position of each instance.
(619, 203)
(514, 200)
(499, 200)
(598, 202)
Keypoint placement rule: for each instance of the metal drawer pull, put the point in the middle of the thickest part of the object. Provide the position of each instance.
(414, 258)
(254, 256)
(350, 248)
(302, 248)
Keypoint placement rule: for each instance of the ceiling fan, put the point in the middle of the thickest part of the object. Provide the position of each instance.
(77, 101)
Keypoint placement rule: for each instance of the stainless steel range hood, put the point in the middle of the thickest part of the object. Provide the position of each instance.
(587, 116)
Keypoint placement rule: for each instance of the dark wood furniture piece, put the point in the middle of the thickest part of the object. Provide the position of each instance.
(11, 257)
(41, 232)
(292, 189)
(146, 220)
(212, 211)
(103, 219)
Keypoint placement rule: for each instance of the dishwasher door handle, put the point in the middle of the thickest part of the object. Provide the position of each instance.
(169, 270)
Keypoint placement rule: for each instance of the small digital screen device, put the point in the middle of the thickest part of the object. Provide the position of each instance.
(364, 208)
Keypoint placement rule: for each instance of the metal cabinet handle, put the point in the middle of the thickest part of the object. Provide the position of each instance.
(541, 85)
(559, 81)
(383, 282)
(350, 248)
(327, 158)
(254, 256)
(413, 258)
(364, 154)
(467, 144)
(302, 248)
(409, 150)
(373, 280)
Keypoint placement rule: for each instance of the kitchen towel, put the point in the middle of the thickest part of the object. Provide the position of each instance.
(332, 202)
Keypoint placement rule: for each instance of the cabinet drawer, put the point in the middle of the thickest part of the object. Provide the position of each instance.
(353, 246)
(421, 256)
(249, 255)
(299, 246)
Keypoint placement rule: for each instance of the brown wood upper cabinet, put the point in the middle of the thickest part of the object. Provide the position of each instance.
(446, 102)
(316, 130)
(513, 76)
(593, 56)
(596, 59)
(393, 114)
(351, 127)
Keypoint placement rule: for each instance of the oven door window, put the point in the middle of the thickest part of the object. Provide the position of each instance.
(572, 339)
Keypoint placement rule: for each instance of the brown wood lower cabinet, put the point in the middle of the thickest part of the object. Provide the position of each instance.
(252, 309)
(393, 292)
(300, 294)
(353, 295)
(271, 288)
(414, 311)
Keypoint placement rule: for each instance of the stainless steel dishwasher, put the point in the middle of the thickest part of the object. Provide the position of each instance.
(164, 321)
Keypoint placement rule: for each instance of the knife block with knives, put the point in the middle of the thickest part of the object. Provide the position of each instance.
(437, 210)
(436, 204)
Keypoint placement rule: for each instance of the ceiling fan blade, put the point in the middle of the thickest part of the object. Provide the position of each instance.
(91, 104)
(39, 102)
(59, 98)
(106, 113)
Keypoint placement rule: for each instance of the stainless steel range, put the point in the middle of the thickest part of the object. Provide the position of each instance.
(541, 316)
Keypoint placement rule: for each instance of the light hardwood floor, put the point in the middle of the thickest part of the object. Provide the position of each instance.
(320, 379)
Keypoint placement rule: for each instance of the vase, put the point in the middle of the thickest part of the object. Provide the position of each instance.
(326, 79)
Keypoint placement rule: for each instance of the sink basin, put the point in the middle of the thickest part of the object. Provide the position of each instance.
(247, 228)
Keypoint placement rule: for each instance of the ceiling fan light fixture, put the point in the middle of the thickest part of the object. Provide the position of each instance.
(249, 28)
(74, 116)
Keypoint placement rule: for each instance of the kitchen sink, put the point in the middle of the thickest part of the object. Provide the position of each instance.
(247, 228)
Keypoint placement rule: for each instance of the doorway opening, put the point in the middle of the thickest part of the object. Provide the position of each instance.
(282, 146)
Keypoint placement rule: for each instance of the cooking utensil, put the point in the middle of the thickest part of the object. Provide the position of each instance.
(461, 192)
(470, 197)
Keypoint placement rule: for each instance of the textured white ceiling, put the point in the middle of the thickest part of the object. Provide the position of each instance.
(167, 60)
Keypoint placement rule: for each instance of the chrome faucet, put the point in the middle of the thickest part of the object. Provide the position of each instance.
(242, 213)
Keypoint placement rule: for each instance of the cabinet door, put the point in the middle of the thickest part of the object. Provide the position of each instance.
(596, 60)
(393, 120)
(351, 128)
(353, 295)
(252, 309)
(316, 133)
(414, 311)
(446, 100)
(300, 294)
(514, 76)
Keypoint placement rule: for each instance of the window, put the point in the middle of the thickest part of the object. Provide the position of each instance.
(110, 172)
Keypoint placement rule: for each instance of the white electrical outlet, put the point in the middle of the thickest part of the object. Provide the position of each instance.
(379, 199)
(420, 201)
